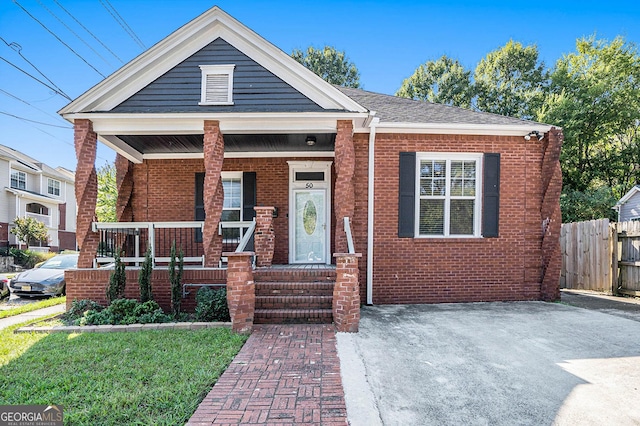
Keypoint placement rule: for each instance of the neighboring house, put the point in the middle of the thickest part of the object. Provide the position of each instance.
(446, 204)
(31, 188)
(628, 207)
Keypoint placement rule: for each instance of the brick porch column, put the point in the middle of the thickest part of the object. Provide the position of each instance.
(213, 192)
(344, 192)
(86, 189)
(241, 291)
(551, 216)
(265, 239)
(124, 185)
(346, 293)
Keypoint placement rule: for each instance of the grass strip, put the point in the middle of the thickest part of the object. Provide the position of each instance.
(128, 378)
(29, 307)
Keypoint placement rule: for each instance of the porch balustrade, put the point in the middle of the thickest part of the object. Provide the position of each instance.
(132, 239)
(46, 219)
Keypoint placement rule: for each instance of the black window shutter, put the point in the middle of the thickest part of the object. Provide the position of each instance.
(491, 196)
(248, 195)
(199, 208)
(407, 195)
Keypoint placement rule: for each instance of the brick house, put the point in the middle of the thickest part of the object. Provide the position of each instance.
(33, 189)
(215, 128)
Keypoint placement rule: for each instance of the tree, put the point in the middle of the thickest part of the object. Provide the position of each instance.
(511, 81)
(330, 64)
(107, 194)
(595, 98)
(443, 81)
(28, 229)
(117, 280)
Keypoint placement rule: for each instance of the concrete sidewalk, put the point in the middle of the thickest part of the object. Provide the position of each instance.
(491, 363)
(28, 316)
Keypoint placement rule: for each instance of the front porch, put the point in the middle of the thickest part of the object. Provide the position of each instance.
(277, 294)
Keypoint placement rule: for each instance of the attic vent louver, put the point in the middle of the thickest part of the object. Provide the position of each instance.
(217, 85)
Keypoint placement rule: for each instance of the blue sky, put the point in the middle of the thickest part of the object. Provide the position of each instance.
(387, 40)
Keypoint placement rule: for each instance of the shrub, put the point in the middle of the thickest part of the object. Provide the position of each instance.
(79, 307)
(117, 281)
(144, 278)
(211, 305)
(29, 259)
(125, 311)
(175, 277)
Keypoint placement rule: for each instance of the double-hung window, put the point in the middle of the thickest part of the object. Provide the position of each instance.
(448, 190)
(449, 195)
(53, 187)
(18, 179)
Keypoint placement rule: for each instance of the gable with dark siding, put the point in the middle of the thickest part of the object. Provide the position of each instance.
(255, 89)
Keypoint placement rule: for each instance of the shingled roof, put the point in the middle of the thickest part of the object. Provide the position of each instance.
(394, 109)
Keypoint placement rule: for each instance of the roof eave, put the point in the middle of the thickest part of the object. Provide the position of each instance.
(463, 128)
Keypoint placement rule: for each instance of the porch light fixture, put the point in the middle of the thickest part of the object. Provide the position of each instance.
(535, 133)
(311, 140)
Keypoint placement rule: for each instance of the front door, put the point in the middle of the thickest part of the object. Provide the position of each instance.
(309, 211)
(309, 226)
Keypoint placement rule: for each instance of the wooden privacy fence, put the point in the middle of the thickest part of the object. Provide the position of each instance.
(601, 256)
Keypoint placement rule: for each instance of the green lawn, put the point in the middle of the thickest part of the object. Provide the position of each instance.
(141, 378)
(33, 306)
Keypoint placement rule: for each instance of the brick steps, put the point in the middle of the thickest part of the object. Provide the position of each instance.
(293, 316)
(294, 296)
(293, 302)
(294, 288)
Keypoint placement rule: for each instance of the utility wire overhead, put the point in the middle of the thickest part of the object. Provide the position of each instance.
(34, 121)
(72, 32)
(30, 104)
(87, 30)
(37, 79)
(114, 13)
(15, 46)
(58, 38)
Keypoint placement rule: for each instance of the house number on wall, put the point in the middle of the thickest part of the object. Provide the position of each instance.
(309, 185)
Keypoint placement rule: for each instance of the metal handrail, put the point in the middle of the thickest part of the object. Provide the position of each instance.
(347, 230)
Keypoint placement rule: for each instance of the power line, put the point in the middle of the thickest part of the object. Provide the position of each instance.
(30, 104)
(37, 79)
(59, 39)
(34, 121)
(122, 23)
(87, 30)
(15, 46)
(71, 31)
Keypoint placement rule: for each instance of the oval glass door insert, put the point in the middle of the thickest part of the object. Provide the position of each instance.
(310, 217)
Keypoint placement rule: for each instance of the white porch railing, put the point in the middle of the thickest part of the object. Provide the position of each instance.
(133, 238)
(347, 231)
(46, 219)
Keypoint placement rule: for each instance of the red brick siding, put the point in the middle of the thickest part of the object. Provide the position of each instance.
(92, 284)
(417, 270)
(359, 226)
(4, 231)
(62, 217)
(164, 190)
(67, 240)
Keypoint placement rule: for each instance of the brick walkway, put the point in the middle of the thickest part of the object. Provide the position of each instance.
(284, 375)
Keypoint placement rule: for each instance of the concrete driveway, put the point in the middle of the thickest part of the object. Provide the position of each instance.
(523, 363)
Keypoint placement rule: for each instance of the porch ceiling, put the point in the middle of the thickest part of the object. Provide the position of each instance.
(175, 144)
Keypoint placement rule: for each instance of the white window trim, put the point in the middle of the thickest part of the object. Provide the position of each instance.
(59, 194)
(477, 212)
(235, 175)
(26, 182)
(208, 70)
